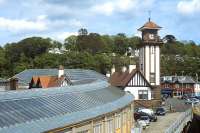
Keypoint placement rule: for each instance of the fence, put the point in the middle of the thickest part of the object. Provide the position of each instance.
(179, 124)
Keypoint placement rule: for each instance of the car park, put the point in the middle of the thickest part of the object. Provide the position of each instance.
(160, 111)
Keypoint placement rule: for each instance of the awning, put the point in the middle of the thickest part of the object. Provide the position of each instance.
(166, 91)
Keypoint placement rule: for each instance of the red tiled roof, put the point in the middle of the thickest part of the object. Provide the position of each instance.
(48, 81)
(150, 25)
(35, 79)
(121, 79)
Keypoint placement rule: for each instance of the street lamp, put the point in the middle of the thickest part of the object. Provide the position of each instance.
(182, 82)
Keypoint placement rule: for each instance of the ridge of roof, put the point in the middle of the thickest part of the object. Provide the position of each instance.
(149, 25)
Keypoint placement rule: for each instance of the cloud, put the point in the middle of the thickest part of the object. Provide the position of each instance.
(75, 23)
(105, 8)
(2, 1)
(188, 7)
(17, 25)
(61, 36)
(110, 7)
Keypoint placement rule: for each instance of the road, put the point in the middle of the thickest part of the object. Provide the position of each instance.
(162, 123)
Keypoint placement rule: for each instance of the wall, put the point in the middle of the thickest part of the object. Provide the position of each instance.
(121, 122)
(147, 103)
(134, 91)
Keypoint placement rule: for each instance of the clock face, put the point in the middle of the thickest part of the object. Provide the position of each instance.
(151, 36)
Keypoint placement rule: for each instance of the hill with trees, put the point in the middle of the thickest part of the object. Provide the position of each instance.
(97, 52)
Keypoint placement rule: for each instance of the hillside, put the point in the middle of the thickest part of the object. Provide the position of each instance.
(94, 51)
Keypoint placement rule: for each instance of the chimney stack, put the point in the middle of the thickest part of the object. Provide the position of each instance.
(124, 69)
(108, 74)
(112, 69)
(131, 68)
(60, 71)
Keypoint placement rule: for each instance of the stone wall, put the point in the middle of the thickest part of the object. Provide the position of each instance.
(147, 103)
(157, 92)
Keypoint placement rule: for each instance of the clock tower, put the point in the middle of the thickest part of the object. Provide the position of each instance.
(149, 52)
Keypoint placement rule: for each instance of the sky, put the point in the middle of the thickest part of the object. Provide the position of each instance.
(59, 19)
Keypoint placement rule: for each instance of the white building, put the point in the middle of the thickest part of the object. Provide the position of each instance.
(197, 88)
(133, 81)
(143, 82)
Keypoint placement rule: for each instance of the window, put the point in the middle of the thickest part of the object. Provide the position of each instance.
(118, 121)
(177, 86)
(110, 126)
(166, 85)
(143, 94)
(98, 128)
(152, 95)
(141, 67)
(187, 85)
(152, 78)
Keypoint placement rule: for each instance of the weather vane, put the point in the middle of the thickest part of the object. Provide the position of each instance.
(149, 15)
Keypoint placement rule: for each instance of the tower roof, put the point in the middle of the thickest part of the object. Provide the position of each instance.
(149, 25)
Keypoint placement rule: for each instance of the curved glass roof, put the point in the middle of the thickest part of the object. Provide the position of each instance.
(39, 110)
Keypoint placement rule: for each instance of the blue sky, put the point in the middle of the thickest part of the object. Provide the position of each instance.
(60, 18)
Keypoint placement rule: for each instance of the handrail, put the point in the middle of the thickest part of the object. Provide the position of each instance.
(175, 126)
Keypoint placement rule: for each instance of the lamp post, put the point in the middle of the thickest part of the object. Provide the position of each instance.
(182, 82)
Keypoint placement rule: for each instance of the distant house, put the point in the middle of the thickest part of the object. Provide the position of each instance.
(197, 88)
(4, 85)
(177, 85)
(8, 84)
(133, 81)
(57, 50)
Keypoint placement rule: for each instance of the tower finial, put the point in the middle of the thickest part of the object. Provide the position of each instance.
(149, 15)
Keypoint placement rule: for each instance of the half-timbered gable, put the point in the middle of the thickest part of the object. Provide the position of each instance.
(133, 82)
(138, 80)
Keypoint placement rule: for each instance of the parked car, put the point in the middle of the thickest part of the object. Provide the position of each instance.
(160, 111)
(145, 110)
(185, 97)
(192, 101)
(152, 117)
(144, 121)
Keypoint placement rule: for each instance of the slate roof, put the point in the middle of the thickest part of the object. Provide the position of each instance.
(3, 80)
(74, 74)
(177, 79)
(40, 110)
(149, 25)
(121, 79)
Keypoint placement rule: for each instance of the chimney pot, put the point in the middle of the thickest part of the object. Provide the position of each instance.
(61, 71)
(124, 69)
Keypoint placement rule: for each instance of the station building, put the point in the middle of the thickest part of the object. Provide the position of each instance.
(89, 105)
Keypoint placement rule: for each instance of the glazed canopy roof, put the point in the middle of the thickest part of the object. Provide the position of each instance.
(39, 110)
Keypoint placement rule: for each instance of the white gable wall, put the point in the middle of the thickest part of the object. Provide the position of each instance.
(134, 91)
